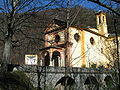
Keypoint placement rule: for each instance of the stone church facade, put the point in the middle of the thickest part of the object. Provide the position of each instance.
(86, 46)
(90, 55)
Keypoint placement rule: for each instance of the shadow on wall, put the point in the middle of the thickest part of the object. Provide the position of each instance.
(65, 83)
(109, 84)
(91, 83)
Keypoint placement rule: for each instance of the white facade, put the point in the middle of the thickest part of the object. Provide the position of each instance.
(86, 46)
(84, 53)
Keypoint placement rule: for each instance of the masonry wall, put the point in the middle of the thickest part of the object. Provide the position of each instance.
(50, 76)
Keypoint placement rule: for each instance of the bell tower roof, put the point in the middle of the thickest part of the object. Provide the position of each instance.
(100, 12)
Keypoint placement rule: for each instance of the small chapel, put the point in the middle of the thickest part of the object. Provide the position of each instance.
(83, 47)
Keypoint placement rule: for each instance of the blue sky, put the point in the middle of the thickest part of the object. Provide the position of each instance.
(91, 5)
(84, 3)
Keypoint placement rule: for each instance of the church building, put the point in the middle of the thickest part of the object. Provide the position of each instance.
(78, 47)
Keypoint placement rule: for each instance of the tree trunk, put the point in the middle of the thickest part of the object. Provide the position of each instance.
(6, 54)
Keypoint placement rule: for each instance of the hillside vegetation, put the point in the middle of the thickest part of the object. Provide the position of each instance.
(30, 38)
(15, 81)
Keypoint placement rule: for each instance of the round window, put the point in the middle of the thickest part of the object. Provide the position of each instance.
(92, 41)
(57, 38)
(77, 37)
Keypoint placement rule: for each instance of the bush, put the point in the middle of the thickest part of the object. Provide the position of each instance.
(15, 81)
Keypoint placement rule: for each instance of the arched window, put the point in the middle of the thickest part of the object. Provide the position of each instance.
(76, 37)
(57, 38)
(99, 19)
(103, 18)
(91, 83)
(46, 58)
(92, 41)
(56, 57)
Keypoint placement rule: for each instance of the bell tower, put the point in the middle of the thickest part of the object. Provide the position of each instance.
(101, 23)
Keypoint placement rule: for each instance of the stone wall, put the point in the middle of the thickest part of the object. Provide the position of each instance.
(79, 78)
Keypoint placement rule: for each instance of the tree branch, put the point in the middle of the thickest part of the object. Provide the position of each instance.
(116, 1)
(2, 40)
(30, 37)
(106, 6)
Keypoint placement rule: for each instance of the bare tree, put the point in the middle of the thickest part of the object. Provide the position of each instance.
(108, 4)
(14, 14)
(116, 13)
